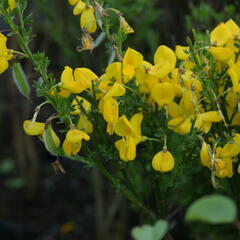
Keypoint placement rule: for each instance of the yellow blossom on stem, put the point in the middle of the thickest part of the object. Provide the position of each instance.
(84, 124)
(162, 93)
(12, 4)
(5, 54)
(163, 161)
(126, 148)
(88, 21)
(220, 35)
(222, 54)
(33, 128)
(132, 59)
(124, 26)
(70, 148)
(181, 52)
(76, 135)
(79, 8)
(72, 2)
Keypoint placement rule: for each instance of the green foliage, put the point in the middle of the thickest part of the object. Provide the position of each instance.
(20, 80)
(213, 209)
(148, 232)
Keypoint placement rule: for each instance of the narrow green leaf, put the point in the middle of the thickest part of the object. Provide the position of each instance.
(49, 142)
(148, 232)
(20, 80)
(214, 209)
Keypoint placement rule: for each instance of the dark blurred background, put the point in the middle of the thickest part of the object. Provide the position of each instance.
(36, 204)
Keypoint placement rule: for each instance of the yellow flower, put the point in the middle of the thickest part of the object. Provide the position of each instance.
(232, 149)
(116, 90)
(123, 127)
(131, 133)
(33, 128)
(79, 7)
(5, 55)
(70, 148)
(181, 52)
(79, 82)
(76, 135)
(88, 21)
(124, 26)
(217, 162)
(110, 110)
(84, 124)
(165, 54)
(163, 161)
(114, 71)
(221, 54)
(233, 28)
(11, 4)
(234, 73)
(162, 93)
(73, 141)
(72, 2)
(204, 155)
(126, 148)
(220, 35)
(132, 59)
(80, 101)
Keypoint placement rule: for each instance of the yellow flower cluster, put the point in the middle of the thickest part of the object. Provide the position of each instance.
(5, 54)
(179, 91)
(88, 21)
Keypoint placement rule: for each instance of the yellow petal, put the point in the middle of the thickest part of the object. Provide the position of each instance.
(220, 35)
(231, 149)
(114, 71)
(3, 64)
(70, 148)
(231, 99)
(124, 26)
(123, 127)
(232, 27)
(204, 155)
(211, 116)
(79, 8)
(174, 110)
(72, 2)
(126, 148)
(11, 4)
(181, 52)
(84, 77)
(88, 21)
(163, 93)
(131, 60)
(136, 121)
(84, 124)
(165, 54)
(33, 128)
(161, 70)
(110, 110)
(117, 90)
(76, 135)
(163, 161)
(222, 54)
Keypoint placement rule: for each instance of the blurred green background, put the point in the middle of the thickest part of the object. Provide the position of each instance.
(35, 204)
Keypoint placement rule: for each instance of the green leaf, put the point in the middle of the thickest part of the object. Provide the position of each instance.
(214, 209)
(49, 142)
(20, 80)
(148, 232)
